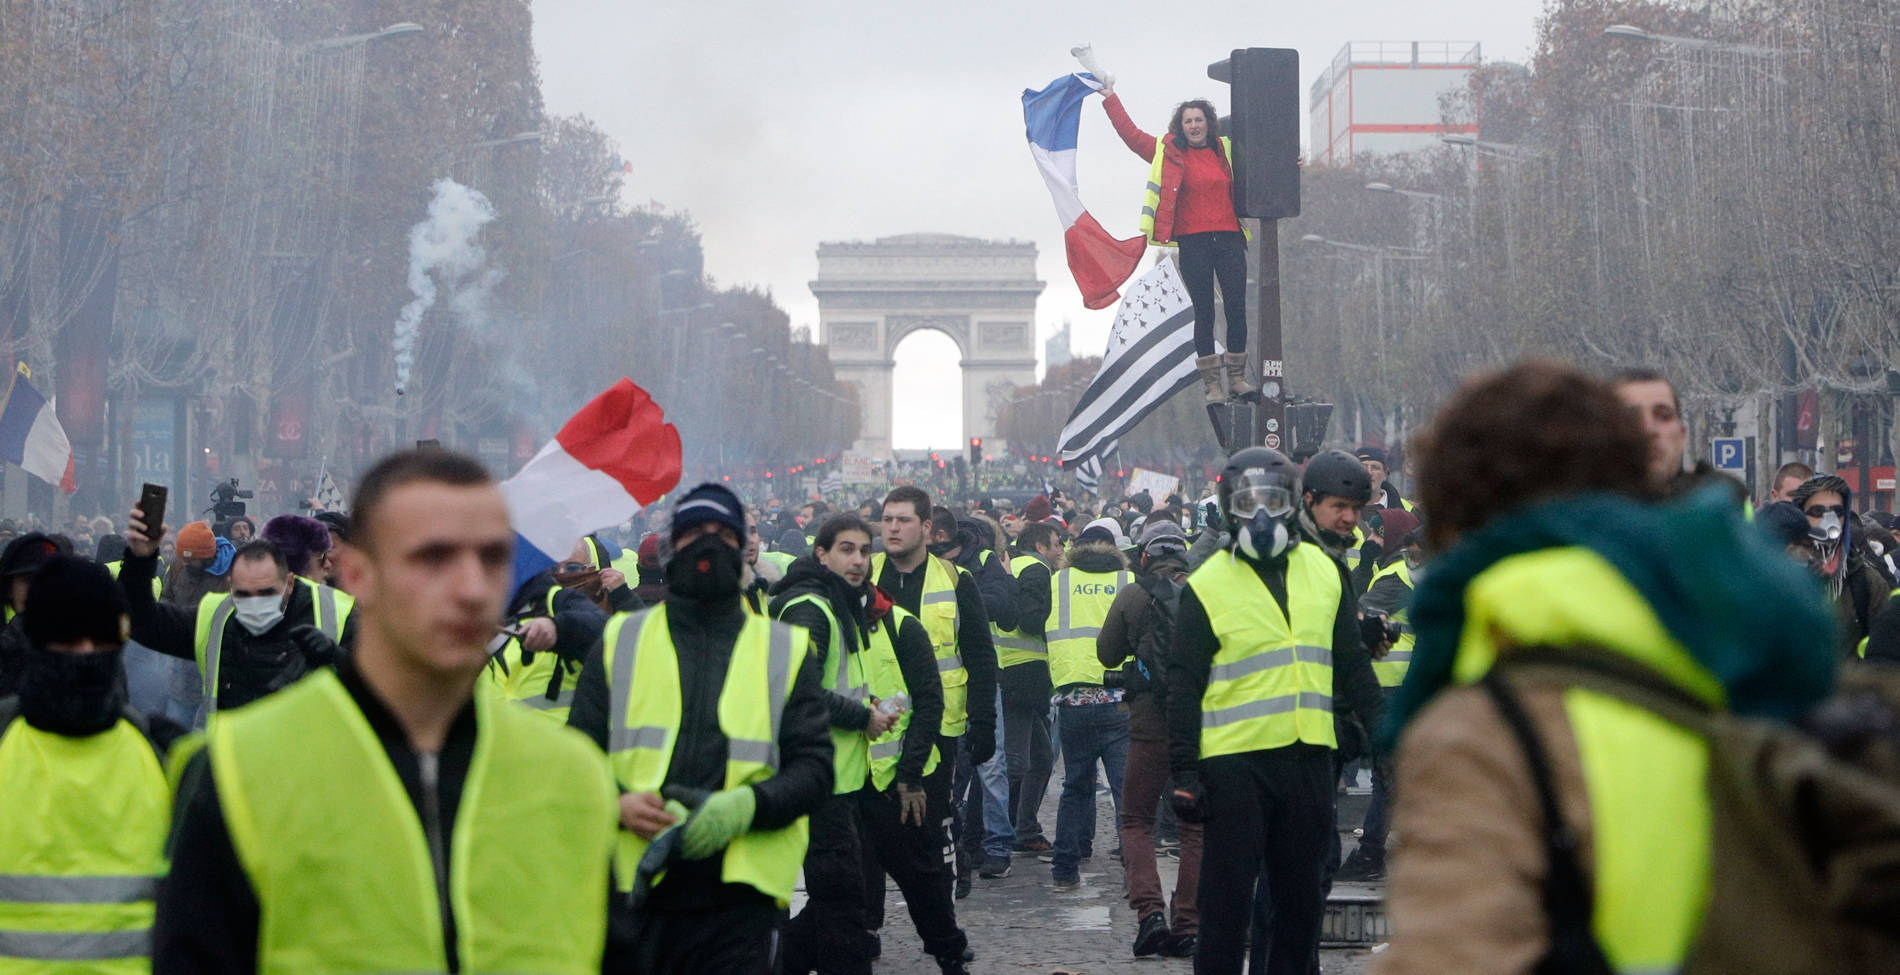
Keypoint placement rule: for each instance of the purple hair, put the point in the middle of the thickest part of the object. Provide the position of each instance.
(299, 538)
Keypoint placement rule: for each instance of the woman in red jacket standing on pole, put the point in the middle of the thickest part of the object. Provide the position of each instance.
(1190, 203)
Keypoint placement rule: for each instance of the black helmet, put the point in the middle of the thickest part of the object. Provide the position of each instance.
(1338, 474)
(1255, 469)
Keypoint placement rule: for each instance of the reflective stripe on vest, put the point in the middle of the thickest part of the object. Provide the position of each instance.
(1014, 647)
(844, 676)
(82, 836)
(644, 720)
(330, 610)
(373, 904)
(1151, 200)
(937, 610)
(1078, 622)
(1391, 668)
(220, 607)
(1271, 681)
(1651, 830)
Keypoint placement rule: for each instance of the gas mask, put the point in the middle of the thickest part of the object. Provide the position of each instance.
(1829, 530)
(1259, 513)
(257, 614)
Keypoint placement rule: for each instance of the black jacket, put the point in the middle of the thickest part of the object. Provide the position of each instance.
(250, 666)
(703, 635)
(577, 620)
(857, 620)
(1031, 598)
(207, 911)
(1355, 687)
(993, 581)
(974, 645)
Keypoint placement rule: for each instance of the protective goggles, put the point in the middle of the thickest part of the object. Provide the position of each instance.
(1275, 500)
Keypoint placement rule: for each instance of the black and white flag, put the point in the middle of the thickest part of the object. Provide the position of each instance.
(1150, 357)
(1089, 472)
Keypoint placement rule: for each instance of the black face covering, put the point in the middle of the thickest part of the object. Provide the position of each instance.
(941, 549)
(73, 694)
(708, 569)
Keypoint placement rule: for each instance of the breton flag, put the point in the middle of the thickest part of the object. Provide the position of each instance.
(30, 434)
(1099, 262)
(613, 458)
(329, 495)
(1089, 472)
(1150, 357)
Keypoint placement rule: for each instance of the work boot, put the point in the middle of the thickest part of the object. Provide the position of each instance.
(1237, 383)
(1152, 936)
(1209, 366)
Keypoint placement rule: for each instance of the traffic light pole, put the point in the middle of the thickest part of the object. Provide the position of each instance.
(1265, 355)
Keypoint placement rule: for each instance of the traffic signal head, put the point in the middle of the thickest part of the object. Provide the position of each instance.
(1265, 127)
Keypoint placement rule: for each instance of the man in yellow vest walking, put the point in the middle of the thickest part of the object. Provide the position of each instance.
(1091, 717)
(1250, 718)
(83, 801)
(715, 726)
(384, 816)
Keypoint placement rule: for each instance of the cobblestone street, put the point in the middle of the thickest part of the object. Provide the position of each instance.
(1019, 924)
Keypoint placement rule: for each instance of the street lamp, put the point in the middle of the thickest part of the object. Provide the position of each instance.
(1410, 194)
(1629, 32)
(393, 30)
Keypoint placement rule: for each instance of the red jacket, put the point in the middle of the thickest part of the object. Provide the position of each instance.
(1173, 170)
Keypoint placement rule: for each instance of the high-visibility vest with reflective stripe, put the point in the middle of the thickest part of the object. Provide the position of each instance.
(886, 678)
(331, 607)
(1078, 605)
(1651, 830)
(1353, 556)
(1391, 669)
(644, 722)
(158, 588)
(329, 610)
(527, 683)
(1014, 647)
(342, 866)
(1271, 683)
(844, 675)
(82, 847)
(938, 611)
(1152, 200)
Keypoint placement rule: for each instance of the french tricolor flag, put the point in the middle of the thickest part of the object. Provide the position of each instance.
(30, 434)
(1099, 262)
(613, 458)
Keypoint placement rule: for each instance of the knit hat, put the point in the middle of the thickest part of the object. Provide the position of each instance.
(1399, 525)
(709, 502)
(195, 541)
(299, 538)
(1163, 537)
(72, 599)
(1038, 508)
(650, 552)
(337, 522)
(1783, 523)
(1375, 454)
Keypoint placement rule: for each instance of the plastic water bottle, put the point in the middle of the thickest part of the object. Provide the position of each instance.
(894, 705)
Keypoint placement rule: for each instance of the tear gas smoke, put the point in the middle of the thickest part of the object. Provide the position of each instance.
(444, 256)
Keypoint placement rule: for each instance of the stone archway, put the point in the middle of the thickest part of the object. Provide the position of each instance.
(980, 293)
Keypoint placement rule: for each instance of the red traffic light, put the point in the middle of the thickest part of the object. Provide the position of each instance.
(976, 441)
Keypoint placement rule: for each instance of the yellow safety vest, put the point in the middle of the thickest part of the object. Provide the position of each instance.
(844, 676)
(644, 722)
(342, 865)
(1271, 683)
(1078, 605)
(82, 847)
(938, 611)
(158, 588)
(1014, 647)
(1352, 554)
(1391, 669)
(527, 683)
(1651, 831)
(1152, 200)
(330, 610)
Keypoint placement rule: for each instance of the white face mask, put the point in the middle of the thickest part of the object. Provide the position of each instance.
(257, 614)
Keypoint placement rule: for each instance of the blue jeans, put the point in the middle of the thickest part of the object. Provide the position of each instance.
(1090, 733)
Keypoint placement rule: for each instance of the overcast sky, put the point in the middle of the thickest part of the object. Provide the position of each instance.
(781, 125)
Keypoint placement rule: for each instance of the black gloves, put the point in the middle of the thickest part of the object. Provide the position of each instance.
(1186, 800)
(980, 739)
(318, 650)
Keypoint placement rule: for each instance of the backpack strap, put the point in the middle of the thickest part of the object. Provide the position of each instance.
(1568, 900)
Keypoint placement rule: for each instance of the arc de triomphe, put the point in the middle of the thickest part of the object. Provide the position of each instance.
(980, 293)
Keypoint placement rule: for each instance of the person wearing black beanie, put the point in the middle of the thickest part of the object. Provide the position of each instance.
(730, 863)
(85, 790)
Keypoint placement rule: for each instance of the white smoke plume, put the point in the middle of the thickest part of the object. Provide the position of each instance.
(443, 254)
